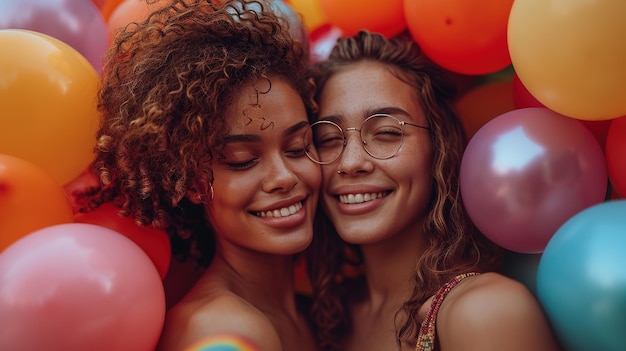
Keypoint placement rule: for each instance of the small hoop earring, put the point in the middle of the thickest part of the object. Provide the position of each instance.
(211, 188)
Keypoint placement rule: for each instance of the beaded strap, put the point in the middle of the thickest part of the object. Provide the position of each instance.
(426, 337)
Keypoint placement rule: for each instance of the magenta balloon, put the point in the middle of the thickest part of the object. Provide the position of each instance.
(526, 172)
(77, 23)
(78, 287)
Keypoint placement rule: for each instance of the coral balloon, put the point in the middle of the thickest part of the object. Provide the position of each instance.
(155, 243)
(468, 37)
(581, 281)
(48, 113)
(353, 15)
(77, 23)
(76, 287)
(572, 58)
(482, 103)
(30, 199)
(615, 152)
(526, 172)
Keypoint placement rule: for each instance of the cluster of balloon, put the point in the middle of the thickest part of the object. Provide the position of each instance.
(47, 93)
(581, 281)
(96, 273)
(67, 20)
(527, 171)
(78, 287)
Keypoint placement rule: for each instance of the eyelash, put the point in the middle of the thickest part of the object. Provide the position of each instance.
(238, 166)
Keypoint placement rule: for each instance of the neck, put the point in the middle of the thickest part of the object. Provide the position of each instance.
(390, 267)
(264, 280)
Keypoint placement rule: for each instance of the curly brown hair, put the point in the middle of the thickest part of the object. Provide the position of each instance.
(454, 245)
(165, 87)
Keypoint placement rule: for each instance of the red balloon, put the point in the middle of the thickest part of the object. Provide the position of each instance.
(467, 37)
(353, 15)
(77, 287)
(155, 243)
(526, 172)
(615, 151)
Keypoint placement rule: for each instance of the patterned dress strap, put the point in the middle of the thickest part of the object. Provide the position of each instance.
(426, 337)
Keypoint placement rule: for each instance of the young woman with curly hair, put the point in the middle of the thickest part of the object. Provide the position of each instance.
(390, 146)
(204, 106)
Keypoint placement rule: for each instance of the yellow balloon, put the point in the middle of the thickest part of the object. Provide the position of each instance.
(570, 55)
(48, 113)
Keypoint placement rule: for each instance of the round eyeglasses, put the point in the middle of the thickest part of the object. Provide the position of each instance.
(381, 135)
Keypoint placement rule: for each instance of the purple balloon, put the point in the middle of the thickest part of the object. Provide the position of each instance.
(77, 23)
(526, 172)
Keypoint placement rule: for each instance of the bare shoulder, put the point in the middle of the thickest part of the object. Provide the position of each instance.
(493, 312)
(191, 322)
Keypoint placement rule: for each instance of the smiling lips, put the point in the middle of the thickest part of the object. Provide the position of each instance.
(359, 198)
(283, 212)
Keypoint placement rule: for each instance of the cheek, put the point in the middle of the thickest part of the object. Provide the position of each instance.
(327, 174)
(311, 174)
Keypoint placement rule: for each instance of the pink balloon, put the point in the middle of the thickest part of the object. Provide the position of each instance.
(526, 172)
(78, 287)
(77, 23)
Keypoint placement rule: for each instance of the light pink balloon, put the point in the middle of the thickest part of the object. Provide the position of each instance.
(78, 287)
(526, 172)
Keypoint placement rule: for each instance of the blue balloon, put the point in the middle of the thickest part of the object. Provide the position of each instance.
(581, 279)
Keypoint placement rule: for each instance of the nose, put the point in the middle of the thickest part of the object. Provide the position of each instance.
(279, 176)
(354, 159)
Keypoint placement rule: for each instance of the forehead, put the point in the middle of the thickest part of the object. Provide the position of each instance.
(367, 86)
(265, 105)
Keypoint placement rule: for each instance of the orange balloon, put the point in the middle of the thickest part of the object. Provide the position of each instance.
(483, 103)
(48, 113)
(30, 199)
(350, 16)
(155, 243)
(571, 56)
(312, 14)
(467, 37)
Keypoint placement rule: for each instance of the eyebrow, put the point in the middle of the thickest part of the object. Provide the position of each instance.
(255, 138)
(390, 110)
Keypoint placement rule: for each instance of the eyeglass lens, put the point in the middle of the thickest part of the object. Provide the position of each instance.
(381, 136)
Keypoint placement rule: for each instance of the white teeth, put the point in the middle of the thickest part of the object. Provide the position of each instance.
(359, 198)
(283, 212)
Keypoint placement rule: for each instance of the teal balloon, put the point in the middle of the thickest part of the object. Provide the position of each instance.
(581, 279)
